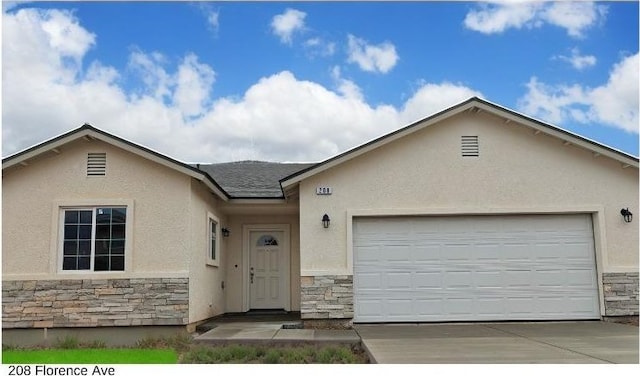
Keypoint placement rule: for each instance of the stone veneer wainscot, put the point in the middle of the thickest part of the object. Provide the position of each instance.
(620, 294)
(326, 297)
(95, 303)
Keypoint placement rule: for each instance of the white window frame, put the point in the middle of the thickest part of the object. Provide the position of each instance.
(213, 261)
(57, 244)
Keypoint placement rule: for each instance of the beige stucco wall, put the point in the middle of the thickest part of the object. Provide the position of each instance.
(206, 295)
(235, 284)
(424, 173)
(158, 215)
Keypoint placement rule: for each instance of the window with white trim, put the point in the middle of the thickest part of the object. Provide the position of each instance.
(93, 239)
(213, 242)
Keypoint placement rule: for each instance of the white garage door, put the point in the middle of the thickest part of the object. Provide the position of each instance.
(474, 268)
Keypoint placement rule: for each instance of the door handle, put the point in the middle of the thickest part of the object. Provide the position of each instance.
(251, 274)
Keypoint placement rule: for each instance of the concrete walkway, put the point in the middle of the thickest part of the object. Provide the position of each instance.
(511, 343)
(272, 332)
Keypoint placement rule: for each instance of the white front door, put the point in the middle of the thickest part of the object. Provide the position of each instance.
(266, 270)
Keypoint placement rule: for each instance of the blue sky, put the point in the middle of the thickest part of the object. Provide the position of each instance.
(298, 81)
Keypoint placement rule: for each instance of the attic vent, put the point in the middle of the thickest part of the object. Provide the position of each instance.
(96, 164)
(469, 146)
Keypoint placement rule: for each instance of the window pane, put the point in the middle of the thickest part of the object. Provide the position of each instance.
(117, 247)
(117, 231)
(84, 263)
(103, 231)
(71, 216)
(103, 215)
(70, 248)
(119, 215)
(84, 247)
(266, 240)
(84, 231)
(117, 262)
(101, 263)
(86, 216)
(102, 247)
(71, 232)
(69, 263)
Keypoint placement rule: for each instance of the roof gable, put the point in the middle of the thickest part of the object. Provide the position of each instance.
(472, 104)
(89, 132)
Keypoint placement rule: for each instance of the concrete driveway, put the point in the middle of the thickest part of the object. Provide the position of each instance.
(551, 343)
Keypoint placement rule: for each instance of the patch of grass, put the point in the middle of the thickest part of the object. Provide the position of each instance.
(90, 356)
(272, 356)
(242, 354)
(67, 342)
(179, 342)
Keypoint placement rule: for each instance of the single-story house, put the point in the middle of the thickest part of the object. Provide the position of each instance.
(476, 213)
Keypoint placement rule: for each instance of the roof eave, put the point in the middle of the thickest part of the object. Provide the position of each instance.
(471, 103)
(375, 143)
(90, 132)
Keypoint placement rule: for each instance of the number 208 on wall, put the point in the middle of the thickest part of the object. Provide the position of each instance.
(324, 191)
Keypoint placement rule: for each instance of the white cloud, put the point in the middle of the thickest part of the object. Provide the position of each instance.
(318, 46)
(173, 110)
(7, 5)
(213, 19)
(286, 24)
(431, 98)
(372, 58)
(614, 103)
(346, 87)
(575, 16)
(194, 82)
(497, 16)
(578, 61)
(150, 70)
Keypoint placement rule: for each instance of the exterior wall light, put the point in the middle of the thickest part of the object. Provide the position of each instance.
(626, 215)
(325, 221)
(225, 232)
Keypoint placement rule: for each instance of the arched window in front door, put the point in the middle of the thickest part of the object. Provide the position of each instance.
(265, 240)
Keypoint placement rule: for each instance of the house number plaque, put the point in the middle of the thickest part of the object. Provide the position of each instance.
(324, 191)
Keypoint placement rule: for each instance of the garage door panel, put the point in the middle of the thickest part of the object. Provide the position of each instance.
(457, 279)
(487, 306)
(458, 306)
(369, 308)
(398, 307)
(511, 251)
(583, 305)
(427, 279)
(550, 278)
(489, 278)
(577, 251)
(522, 267)
(399, 253)
(581, 278)
(518, 278)
(370, 281)
(399, 280)
(427, 307)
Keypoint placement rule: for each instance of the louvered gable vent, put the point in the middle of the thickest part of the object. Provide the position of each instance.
(96, 164)
(470, 146)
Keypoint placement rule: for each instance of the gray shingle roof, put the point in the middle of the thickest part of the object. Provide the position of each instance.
(252, 179)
